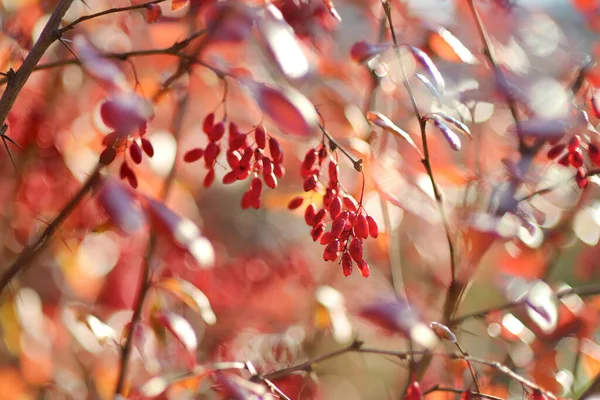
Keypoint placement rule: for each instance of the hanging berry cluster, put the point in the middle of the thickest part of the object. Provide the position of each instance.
(349, 224)
(243, 159)
(134, 145)
(571, 154)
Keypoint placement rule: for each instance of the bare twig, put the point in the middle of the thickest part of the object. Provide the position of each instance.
(33, 250)
(16, 80)
(146, 283)
(583, 291)
(438, 388)
(105, 12)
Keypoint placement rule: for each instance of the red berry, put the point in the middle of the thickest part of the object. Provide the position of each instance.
(107, 156)
(556, 151)
(132, 179)
(153, 13)
(193, 155)
(594, 153)
(576, 158)
(361, 227)
(356, 250)
(210, 154)
(326, 238)
(309, 214)
(230, 177)
(242, 172)
(365, 271)
(110, 139)
(237, 142)
(320, 216)
(310, 183)
(373, 228)
(234, 130)
(209, 178)
(279, 170)
(255, 202)
(147, 147)
(233, 158)
(574, 143)
(260, 137)
(330, 194)
(336, 207)
(246, 201)
(346, 264)
(267, 166)
(208, 123)
(581, 178)
(309, 159)
(124, 171)
(217, 132)
(256, 187)
(564, 160)
(270, 180)
(350, 203)
(247, 156)
(135, 152)
(295, 202)
(317, 232)
(275, 150)
(331, 250)
(333, 171)
(337, 227)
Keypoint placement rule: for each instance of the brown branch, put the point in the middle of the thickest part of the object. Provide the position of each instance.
(357, 347)
(28, 255)
(16, 80)
(105, 12)
(146, 282)
(438, 388)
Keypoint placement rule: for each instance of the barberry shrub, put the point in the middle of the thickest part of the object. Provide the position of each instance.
(193, 193)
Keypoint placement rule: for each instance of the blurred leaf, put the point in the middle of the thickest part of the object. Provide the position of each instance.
(361, 52)
(288, 108)
(192, 296)
(542, 307)
(423, 59)
(446, 44)
(430, 87)
(331, 8)
(458, 124)
(102, 331)
(177, 4)
(282, 44)
(179, 327)
(121, 205)
(451, 137)
(183, 231)
(154, 387)
(547, 129)
(333, 313)
(384, 122)
(397, 316)
(125, 113)
(98, 67)
(238, 388)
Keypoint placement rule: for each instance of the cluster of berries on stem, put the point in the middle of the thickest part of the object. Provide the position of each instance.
(244, 159)
(134, 145)
(348, 221)
(572, 154)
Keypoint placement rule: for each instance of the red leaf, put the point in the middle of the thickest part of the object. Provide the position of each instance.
(179, 327)
(121, 205)
(291, 110)
(396, 316)
(183, 231)
(229, 22)
(331, 8)
(125, 113)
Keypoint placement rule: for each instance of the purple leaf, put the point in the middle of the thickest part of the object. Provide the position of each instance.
(121, 205)
(362, 52)
(449, 134)
(428, 64)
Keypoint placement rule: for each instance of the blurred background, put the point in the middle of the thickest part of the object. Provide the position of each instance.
(276, 302)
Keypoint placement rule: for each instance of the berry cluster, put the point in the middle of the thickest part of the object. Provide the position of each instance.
(349, 223)
(244, 159)
(571, 154)
(136, 144)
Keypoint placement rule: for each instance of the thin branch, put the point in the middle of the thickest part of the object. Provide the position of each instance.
(552, 188)
(146, 283)
(357, 347)
(470, 365)
(28, 255)
(333, 145)
(105, 12)
(16, 80)
(438, 388)
(426, 160)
